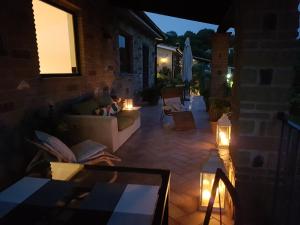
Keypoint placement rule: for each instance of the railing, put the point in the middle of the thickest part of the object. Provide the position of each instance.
(220, 175)
(286, 195)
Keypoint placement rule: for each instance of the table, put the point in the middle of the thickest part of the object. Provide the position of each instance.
(80, 194)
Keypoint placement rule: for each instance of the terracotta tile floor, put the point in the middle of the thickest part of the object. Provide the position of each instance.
(156, 145)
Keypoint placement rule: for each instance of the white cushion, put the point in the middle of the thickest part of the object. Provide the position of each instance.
(88, 150)
(174, 104)
(57, 146)
(175, 100)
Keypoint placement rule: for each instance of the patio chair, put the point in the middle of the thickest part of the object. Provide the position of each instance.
(172, 100)
(87, 152)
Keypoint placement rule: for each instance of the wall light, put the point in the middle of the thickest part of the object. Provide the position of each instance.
(163, 60)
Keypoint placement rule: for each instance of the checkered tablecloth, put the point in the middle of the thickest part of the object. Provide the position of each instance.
(38, 201)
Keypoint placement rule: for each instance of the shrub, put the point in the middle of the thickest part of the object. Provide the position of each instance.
(150, 95)
(217, 107)
(165, 72)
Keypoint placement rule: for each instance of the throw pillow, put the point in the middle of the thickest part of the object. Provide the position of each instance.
(102, 111)
(175, 100)
(173, 104)
(114, 108)
(57, 146)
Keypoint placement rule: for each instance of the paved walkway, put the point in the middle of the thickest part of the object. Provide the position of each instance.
(182, 152)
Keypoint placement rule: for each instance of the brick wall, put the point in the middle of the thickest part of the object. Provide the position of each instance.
(266, 53)
(19, 63)
(220, 45)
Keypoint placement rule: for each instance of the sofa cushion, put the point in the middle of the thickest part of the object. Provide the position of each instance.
(124, 122)
(133, 114)
(85, 108)
(115, 107)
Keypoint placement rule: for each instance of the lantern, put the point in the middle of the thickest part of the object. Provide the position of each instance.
(207, 176)
(128, 104)
(223, 132)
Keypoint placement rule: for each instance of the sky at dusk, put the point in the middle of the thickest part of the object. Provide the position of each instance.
(168, 23)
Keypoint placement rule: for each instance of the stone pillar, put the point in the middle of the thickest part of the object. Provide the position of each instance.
(220, 45)
(266, 53)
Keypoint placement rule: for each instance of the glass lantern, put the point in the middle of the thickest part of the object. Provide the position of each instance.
(223, 132)
(128, 104)
(207, 176)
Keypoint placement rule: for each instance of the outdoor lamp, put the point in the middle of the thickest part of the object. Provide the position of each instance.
(223, 132)
(128, 104)
(207, 176)
(164, 59)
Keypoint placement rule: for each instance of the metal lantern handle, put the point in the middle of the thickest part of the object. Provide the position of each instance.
(220, 175)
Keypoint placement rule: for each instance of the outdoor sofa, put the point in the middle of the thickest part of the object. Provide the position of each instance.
(111, 131)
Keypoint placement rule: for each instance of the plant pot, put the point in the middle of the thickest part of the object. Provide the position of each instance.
(213, 127)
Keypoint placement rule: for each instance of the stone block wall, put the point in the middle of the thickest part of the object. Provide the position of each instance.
(135, 79)
(266, 53)
(19, 64)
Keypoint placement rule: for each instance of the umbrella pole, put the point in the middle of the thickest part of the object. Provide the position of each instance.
(186, 88)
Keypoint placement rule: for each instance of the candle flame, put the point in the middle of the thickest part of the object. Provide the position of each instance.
(206, 195)
(223, 138)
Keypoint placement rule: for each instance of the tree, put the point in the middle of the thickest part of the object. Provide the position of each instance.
(200, 41)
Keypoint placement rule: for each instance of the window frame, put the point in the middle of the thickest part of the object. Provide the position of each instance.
(129, 43)
(76, 43)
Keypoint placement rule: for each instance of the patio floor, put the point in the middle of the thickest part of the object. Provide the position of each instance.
(182, 152)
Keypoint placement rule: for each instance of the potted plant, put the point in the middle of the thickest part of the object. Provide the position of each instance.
(217, 107)
(205, 95)
(150, 95)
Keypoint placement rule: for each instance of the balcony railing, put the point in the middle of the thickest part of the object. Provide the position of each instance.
(286, 196)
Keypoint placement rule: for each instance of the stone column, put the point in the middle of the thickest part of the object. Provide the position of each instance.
(220, 45)
(266, 53)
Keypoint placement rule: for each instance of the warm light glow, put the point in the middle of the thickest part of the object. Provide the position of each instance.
(64, 171)
(128, 104)
(206, 183)
(163, 60)
(55, 39)
(223, 132)
(223, 139)
(206, 195)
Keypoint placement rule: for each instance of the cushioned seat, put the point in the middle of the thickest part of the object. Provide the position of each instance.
(134, 114)
(124, 122)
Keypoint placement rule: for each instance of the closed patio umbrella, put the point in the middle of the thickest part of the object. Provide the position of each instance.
(187, 63)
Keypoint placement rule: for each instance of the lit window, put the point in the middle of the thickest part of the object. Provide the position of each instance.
(55, 39)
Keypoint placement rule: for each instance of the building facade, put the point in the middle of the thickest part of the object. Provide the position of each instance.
(96, 52)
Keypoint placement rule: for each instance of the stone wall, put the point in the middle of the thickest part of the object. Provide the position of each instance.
(266, 53)
(129, 85)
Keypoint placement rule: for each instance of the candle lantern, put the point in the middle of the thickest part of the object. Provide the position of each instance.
(128, 104)
(223, 132)
(207, 176)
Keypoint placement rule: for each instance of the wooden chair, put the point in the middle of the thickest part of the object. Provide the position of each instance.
(170, 93)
